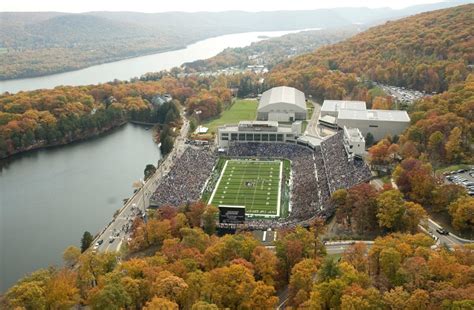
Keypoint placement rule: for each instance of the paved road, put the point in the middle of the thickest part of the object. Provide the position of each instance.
(115, 234)
(430, 226)
(312, 128)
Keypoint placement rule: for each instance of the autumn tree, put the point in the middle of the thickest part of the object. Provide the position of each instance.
(462, 213)
(265, 263)
(453, 145)
(158, 303)
(209, 219)
(301, 281)
(71, 255)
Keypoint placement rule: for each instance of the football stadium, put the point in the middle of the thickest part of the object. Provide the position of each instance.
(255, 184)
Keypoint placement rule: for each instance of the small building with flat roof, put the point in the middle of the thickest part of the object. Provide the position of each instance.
(282, 104)
(354, 142)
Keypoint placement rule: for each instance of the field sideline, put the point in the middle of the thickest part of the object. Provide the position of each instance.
(253, 184)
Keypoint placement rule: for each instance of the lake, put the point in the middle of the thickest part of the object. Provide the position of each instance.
(135, 67)
(50, 197)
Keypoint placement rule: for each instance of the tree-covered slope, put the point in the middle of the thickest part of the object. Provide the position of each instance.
(428, 52)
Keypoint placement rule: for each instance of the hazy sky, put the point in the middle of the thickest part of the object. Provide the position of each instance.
(193, 5)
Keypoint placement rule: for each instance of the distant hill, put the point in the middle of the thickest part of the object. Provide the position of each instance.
(35, 43)
(272, 51)
(428, 52)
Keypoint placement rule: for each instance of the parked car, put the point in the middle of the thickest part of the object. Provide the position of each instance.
(442, 231)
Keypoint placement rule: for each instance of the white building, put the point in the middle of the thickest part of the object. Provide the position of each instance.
(332, 107)
(258, 131)
(354, 142)
(282, 104)
(380, 123)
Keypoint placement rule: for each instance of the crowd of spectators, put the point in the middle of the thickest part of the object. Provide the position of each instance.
(186, 179)
(342, 172)
(305, 192)
(316, 174)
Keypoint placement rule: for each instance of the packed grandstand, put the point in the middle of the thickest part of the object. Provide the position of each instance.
(315, 175)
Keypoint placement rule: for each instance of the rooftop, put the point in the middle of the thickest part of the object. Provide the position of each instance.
(338, 105)
(353, 134)
(379, 115)
(258, 123)
(283, 94)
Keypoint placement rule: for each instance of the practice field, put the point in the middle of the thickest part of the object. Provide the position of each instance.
(253, 184)
(240, 110)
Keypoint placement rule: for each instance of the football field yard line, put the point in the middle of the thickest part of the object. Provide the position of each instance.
(262, 199)
(255, 190)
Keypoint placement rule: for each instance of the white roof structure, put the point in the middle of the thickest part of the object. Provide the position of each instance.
(353, 135)
(328, 119)
(201, 130)
(282, 94)
(338, 105)
(258, 123)
(377, 115)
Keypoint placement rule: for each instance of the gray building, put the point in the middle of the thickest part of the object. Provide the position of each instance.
(380, 123)
(282, 104)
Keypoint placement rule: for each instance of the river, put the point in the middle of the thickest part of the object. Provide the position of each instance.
(48, 198)
(135, 67)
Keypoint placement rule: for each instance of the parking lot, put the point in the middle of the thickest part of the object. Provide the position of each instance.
(462, 177)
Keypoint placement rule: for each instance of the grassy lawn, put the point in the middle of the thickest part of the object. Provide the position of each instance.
(253, 184)
(241, 110)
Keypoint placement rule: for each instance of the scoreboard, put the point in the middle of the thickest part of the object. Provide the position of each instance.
(231, 214)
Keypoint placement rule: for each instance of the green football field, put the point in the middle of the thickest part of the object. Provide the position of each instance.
(253, 184)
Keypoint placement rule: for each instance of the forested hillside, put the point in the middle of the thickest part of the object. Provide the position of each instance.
(272, 51)
(48, 117)
(427, 52)
(34, 43)
(433, 52)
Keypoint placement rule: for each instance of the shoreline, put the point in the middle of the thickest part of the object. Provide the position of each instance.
(95, 135)
(159, 51)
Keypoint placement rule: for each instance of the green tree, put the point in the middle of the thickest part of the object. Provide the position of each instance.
(149, 171)
(112, 296)
(329, 270)
(166, 145)
(86, 241)
(369, 140)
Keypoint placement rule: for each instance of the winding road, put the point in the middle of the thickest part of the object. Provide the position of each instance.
(116, 233)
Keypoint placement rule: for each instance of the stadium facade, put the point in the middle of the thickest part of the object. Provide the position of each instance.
(258, 131)
(282, 104)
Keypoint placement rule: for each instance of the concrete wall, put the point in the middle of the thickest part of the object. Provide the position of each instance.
(281, 117)
(379, 129)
